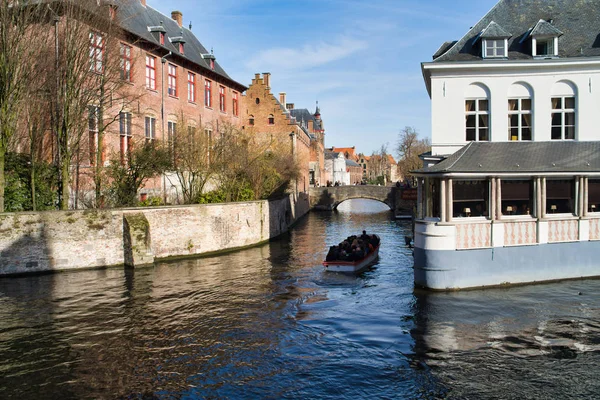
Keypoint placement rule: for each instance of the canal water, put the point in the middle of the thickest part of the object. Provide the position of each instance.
(269, 323)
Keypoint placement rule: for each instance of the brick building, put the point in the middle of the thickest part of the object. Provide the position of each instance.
(175, 81)
(313, 124)
(267, 117)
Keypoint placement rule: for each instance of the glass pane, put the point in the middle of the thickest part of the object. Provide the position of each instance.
(570, 102)
(556, 119)
(525, 120)
(526, 134)
(512, 105)
(484, 134)
(556, 103)
(483, 105)
(560, 196)
(470, 121)
(483, 121)
(570, 118)
(514, 134)
(470, 134)
(556, 133)
(526, 104)
(470, 105)
(570, 132)
(513, 120)
(470, 199)
(517, 197)
(594, 195)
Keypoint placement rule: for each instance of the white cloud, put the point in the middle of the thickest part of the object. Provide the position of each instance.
(307, 56)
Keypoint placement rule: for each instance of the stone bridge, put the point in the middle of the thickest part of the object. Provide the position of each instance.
(401, 201)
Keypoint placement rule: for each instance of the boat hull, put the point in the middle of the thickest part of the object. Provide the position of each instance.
(352, 267)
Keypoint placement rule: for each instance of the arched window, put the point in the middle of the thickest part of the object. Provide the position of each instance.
(251, 120)
(564, 96)
(520, 112)
(477, 113)
(271, 119)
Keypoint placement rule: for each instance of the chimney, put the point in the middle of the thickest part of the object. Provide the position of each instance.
(143, 2)
(267, 79)
(178, 17)
(289, 106)
(282, 98)
(310, 125)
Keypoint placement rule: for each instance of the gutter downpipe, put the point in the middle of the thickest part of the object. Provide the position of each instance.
(163, 61)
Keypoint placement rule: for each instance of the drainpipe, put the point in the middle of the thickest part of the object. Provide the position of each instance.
(163, 61)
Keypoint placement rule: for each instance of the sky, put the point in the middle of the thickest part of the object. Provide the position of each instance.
(360, 59)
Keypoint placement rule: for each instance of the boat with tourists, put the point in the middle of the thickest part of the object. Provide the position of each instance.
(353, 255)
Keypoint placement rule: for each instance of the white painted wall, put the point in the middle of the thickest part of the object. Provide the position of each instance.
(450, 84)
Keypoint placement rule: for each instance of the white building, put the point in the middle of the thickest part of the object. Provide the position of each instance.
(514, 171)
(335, 168)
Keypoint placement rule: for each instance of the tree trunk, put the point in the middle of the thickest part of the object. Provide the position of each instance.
(2, 181)
(64, 203)
(32, 182)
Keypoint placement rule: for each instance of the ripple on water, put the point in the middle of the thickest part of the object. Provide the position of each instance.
(268, 322)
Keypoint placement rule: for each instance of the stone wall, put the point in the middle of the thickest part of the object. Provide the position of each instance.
(52, 241)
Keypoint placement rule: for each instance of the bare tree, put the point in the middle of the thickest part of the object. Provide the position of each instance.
(255, 167)
(88, 91)
(146, 160)
(409, 148)
(18, 45)
(195, 160)
(379, 163)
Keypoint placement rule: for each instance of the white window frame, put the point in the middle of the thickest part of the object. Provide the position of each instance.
(563, 111)
(125, 134)
(553, 47)
(477, 113)
(520, 112)
(150, 128)
(492, 51)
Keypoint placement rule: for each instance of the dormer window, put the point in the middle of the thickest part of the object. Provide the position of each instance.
(162, 38)
(494, 41)
(494, 48)
(544, 39)
(544, 47)
(181, 48)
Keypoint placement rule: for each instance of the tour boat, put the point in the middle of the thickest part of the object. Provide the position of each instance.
(353, 266)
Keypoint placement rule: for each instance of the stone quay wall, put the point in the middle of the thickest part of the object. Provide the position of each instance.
(32, 242)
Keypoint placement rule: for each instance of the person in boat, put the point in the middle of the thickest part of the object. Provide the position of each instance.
(333, 254)
(365, 237)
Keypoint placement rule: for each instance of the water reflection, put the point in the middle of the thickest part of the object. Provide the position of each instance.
(540, 341)
(268, 322)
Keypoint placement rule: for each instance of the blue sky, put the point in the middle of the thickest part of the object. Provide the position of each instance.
(361, 59)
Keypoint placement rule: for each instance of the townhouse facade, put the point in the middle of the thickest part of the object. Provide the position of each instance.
(512, 183)
(267, 117)
(314, 125)
(171, 82)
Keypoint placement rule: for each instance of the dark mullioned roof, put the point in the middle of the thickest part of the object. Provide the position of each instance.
(135, 18)
(577, 20)
(521, 157)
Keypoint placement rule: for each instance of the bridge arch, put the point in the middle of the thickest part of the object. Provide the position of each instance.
(329, 198)
(391, 206)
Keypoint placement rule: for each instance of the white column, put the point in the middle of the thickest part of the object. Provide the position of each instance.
(419, 198)
(543, 210)
(443, 199)
(493, 198)
(498, 198)
(579, 181)
(586, 204)
(450, 201)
